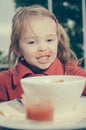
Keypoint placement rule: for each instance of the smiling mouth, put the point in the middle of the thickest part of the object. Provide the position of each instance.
(43, 54)
(43, 59)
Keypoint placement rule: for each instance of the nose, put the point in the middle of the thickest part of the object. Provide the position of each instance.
(42, 47)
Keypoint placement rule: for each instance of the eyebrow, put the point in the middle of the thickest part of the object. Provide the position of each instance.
(37, 37)
(26, 38)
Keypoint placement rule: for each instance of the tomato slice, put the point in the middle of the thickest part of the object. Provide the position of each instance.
(40, 111)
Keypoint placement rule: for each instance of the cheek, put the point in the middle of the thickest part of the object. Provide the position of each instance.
(25, 51)
(55, 48)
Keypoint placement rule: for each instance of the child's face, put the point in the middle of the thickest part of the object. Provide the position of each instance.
(38, 43)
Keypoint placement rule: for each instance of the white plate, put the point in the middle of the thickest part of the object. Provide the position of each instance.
(15, 118)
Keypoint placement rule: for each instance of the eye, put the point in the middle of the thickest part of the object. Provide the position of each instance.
(31, 42)
(50, 40)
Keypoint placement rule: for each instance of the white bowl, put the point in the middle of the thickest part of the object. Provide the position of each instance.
(63, 91)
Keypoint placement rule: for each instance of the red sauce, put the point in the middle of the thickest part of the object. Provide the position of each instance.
(40, 112)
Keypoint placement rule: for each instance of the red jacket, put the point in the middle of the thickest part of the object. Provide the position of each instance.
(10, 87)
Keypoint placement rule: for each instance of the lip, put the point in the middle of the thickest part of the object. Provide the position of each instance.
(43, 59)
(38, 57)
(43, 54)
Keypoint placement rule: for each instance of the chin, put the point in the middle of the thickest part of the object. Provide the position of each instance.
(44, 67)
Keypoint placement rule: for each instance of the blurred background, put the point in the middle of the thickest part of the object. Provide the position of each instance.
(70, 13)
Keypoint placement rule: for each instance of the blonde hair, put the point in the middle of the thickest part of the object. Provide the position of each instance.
(64, 51)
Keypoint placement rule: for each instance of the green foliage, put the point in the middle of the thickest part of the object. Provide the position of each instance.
(3, 61)
(0, 53)
(21, 3)
(69, 14)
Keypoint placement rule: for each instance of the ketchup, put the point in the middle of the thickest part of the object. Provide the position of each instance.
(40, 112)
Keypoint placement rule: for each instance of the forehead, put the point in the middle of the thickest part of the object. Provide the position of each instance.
(38, 23)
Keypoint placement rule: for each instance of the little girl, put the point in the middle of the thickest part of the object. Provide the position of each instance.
(39, 46)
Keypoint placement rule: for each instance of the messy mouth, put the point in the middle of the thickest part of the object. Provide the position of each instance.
(43, 59)
(43, 54)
